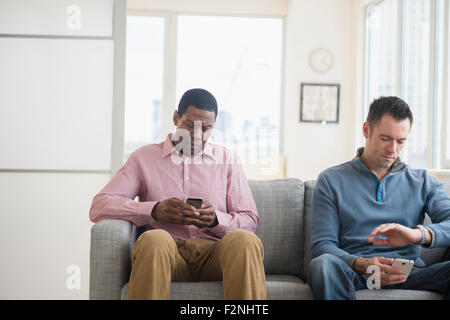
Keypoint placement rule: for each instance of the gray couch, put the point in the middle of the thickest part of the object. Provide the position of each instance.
(284, 206)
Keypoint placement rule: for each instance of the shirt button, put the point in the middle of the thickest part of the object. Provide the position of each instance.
(187, 178)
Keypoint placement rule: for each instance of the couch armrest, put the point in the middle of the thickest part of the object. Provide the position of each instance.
(110, 259)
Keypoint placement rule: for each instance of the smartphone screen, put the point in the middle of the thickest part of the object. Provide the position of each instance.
(195, 202)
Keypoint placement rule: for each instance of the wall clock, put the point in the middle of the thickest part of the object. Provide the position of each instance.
(321, 60)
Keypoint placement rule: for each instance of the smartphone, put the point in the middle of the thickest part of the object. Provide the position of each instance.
(195, 202)
(404, 265)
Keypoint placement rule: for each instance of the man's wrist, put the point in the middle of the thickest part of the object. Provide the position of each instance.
(354, 265)
(214, 223)
(154, 211)
(428, 237)
(418, 235)
(425, 237)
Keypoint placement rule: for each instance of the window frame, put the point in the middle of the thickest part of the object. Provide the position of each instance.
(445, 86)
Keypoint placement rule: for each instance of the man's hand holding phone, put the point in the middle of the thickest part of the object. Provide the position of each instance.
(207, 217)
(194, 211)
(388, 274)
(175, 211)
(392, 271)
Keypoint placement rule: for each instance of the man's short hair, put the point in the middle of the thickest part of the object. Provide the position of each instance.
(199, 98)
(394, 106)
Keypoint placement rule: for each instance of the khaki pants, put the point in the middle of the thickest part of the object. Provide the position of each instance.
(237, 259)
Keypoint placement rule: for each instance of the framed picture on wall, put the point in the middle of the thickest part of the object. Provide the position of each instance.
(319, 102)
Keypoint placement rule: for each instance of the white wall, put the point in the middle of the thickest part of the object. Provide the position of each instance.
(310, 148)
(44, 228)
(56, 136)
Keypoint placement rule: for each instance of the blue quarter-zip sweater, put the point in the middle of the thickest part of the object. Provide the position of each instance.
(349, 202)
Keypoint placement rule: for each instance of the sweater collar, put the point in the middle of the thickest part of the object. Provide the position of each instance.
(396, 167)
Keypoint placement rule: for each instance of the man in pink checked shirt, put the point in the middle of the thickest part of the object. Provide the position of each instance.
(182, 243)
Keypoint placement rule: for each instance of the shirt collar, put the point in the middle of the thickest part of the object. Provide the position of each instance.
(168, 149)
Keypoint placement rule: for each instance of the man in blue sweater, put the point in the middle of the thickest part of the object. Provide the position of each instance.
(368, 211)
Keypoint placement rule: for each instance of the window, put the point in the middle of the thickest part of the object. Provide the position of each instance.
(406, 46)
(416, 77)
(382, 51)
(237, 59)
(144, 81)
(439, 133)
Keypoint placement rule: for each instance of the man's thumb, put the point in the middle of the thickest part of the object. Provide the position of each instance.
(384, 260)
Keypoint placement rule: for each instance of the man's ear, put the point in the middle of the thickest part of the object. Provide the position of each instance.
(366, 130)
(176, 117)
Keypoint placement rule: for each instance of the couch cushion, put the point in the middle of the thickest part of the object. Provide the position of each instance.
(279, 287)
(202, 290)
(280, 208)
(397, 294)
(285, 287)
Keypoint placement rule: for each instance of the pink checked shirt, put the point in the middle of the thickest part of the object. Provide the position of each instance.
(157, 172)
